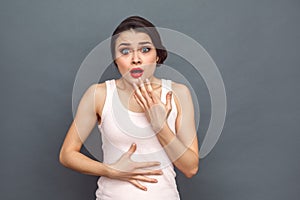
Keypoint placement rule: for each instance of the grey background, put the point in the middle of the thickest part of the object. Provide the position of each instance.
(255, 44)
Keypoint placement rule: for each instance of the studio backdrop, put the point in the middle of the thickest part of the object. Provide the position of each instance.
(254, 46)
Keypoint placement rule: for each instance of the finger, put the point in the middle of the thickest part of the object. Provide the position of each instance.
(132, 149)
(150, 91)
(148, 86)
(139, 102)
(147, 172)
(135, 86)
(145, 94)
(141, 98)
(145, 179)
(155, 97)
(138, 185)
(147, 164)
(168, 100)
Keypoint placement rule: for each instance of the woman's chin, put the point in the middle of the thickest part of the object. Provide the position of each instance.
(135, 80)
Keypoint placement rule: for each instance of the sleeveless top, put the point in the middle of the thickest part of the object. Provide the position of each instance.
(120, 128)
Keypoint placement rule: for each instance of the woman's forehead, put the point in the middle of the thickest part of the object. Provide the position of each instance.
(132, 37)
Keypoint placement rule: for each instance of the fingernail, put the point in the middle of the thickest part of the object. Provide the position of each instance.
(141, 83)
(135, 86)
(147, 80)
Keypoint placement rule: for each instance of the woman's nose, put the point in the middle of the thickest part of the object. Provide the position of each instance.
(135, 58)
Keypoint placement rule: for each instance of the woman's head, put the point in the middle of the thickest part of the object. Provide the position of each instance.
(139, 24)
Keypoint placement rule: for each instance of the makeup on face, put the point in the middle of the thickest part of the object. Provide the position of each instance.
(136, 72)
(135, 55)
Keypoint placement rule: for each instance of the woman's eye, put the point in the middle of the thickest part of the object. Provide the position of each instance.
(125, 51)
(145, 49)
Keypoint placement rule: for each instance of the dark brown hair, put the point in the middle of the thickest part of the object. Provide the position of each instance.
(140, 24)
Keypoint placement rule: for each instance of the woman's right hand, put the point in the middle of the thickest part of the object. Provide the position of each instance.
(128, 170)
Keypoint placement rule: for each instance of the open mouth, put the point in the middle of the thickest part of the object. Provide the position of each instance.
(136, 72)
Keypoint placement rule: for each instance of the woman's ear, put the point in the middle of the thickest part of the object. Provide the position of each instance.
(157, 59)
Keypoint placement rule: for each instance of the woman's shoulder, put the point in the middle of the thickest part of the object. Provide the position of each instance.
(180, 89)
(97, 93)
(96, 88)
(100, 90)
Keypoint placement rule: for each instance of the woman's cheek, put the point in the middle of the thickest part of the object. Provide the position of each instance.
(149, 70)
(122, 66)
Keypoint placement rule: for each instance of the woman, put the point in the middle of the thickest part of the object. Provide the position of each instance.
(146, 123)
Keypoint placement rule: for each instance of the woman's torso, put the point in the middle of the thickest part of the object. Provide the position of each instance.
(120, 128)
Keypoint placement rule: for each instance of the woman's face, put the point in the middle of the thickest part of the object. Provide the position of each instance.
(135, 56)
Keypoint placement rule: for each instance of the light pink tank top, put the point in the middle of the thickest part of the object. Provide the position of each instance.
(119, 129)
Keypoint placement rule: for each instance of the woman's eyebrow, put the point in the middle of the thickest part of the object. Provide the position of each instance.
(142, 43)
(125, 44)
(128, 44)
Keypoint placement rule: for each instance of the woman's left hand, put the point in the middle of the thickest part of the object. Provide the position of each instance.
(156, 111)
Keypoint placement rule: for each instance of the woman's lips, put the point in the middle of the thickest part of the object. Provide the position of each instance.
(136, 72)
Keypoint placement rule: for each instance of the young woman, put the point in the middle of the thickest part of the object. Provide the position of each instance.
(146, 123)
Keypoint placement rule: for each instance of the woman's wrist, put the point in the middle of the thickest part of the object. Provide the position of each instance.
(164, 127)
(165, 134)
(107, 170)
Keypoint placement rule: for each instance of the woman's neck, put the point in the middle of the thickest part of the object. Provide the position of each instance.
(125, 91)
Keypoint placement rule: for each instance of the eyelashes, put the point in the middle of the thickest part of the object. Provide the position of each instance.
(145, 49)
(126, 51)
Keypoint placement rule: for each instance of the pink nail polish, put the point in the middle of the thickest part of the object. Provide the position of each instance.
(135, 86)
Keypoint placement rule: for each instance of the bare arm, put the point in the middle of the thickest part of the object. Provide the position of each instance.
(182, 147)
(84, 121)
(70, 156)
